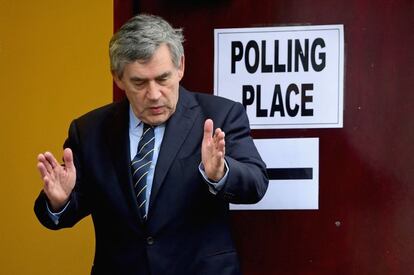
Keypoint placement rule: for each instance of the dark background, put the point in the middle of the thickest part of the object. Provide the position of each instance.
(365, 221)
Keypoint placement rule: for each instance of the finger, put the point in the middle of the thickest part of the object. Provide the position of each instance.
(46, 163)
(221, 145)
(41, 157)
(42, 169)
(47, 182)
(47, 187)
(208, 129)
(219, 136)
(68, 159)
(41, 160)
(218, 133)
(51, 159)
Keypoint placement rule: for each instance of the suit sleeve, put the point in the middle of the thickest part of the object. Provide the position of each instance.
(247, 179)
(78, 206)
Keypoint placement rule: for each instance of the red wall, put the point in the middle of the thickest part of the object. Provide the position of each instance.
(365, 224)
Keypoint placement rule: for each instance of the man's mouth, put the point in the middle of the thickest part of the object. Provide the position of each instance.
(156, 109)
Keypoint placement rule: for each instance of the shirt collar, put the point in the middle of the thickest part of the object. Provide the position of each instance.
(134, 122)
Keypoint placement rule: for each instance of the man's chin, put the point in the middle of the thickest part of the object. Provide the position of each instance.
(156, 119)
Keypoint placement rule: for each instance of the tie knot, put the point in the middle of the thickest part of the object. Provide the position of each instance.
(146, 126)
(148, 130)
(147, 137)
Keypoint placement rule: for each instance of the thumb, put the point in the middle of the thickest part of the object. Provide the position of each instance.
(68, 159)
(208, 129)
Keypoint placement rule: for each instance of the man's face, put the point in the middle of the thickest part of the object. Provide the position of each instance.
(152, 86)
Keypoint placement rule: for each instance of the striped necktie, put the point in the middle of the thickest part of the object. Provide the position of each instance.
(140, 166)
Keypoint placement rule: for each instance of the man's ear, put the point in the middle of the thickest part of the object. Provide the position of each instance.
(181, 67)
(118, 81)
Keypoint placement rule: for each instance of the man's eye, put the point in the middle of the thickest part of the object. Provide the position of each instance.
(162, 80)
(139, 83)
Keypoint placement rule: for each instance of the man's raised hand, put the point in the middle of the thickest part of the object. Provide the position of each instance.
(213, 149)
(59, 180)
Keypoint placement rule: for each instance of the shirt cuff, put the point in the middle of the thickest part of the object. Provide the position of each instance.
(55, 216)
(214, 187)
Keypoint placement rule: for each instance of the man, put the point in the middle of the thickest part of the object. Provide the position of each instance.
(151, 170)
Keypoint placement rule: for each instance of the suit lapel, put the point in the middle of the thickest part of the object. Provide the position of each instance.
(117, 137)
(177, 130)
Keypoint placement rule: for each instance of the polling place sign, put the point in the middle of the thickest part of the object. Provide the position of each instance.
(286, 77)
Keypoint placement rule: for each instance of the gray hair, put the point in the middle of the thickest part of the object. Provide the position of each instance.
(140, 37)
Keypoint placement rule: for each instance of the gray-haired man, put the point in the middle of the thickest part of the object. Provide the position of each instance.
(170, 214)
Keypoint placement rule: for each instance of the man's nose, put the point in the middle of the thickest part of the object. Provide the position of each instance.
(153, 91)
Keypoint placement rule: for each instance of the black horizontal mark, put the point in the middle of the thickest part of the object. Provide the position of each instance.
(290, 173)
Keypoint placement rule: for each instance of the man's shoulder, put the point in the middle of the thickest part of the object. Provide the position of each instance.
(211, 101)
(103, 113)
(225, 113)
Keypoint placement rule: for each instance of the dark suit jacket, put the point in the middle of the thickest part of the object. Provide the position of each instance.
(187, 229)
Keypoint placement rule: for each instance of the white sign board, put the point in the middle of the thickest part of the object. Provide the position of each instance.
(286, 77)
(293, 168)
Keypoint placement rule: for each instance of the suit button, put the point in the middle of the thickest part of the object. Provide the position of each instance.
(150, 240)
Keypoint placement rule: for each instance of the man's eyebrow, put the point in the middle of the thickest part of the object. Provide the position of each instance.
(164, 75)
(136, 78)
